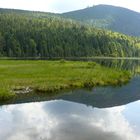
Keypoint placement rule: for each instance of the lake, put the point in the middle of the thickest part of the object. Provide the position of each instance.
(101, 113)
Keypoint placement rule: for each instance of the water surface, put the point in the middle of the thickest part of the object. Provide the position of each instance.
(63, 120)
(101, 113)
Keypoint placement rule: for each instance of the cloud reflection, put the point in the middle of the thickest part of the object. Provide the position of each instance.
(61, 120)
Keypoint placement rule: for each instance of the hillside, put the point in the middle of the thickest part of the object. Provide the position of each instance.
(36, 34)
(34, 14)
(109, 17)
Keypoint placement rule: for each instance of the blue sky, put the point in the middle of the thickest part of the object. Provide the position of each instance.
(60, 6)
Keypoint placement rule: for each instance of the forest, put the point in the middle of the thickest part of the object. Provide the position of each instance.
(34, 34)
(114, 18)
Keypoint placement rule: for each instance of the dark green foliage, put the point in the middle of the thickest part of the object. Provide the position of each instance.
(109, 17)
(35, 34)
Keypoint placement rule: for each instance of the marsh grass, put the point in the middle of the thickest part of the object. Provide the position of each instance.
(52, 76)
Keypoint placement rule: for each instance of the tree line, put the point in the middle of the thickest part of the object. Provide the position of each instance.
(51, 36)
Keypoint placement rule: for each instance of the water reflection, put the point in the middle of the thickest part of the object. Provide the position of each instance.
(132, 65)
(103, 97)
(118, 63)
(124, 64)
(74, 115)
(62, 120)
(100, 96)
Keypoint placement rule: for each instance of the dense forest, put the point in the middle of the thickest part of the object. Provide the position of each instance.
(109, 17)
(35, 34)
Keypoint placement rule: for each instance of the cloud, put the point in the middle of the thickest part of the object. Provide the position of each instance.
(64, 5)
(61, 120)
(70, 5)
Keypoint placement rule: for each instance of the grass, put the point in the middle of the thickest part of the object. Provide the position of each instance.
(137, 70)
(51, 76)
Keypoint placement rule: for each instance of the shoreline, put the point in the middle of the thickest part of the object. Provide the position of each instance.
(52, 76)
(69, 58)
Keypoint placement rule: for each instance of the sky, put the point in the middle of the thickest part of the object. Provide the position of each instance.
(60, 6)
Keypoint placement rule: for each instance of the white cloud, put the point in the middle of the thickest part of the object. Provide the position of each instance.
(64, 5)
(61, 120)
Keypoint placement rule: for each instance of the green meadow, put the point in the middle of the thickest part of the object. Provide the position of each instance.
(50, 76)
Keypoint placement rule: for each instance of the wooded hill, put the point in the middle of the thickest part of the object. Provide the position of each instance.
(109, 17)
(38, 34)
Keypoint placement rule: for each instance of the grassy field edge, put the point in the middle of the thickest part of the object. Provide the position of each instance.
(51, 76)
